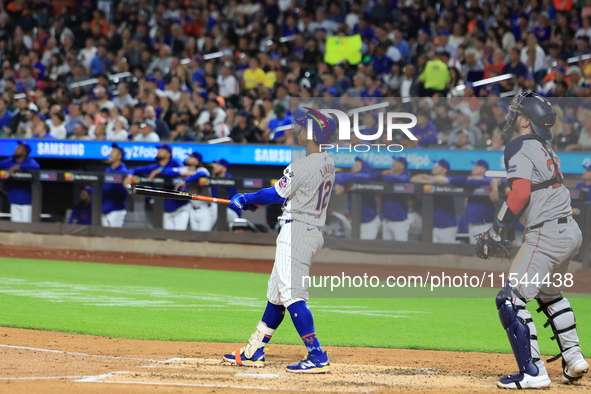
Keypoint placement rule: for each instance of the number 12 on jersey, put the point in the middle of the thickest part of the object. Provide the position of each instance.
(323, 194)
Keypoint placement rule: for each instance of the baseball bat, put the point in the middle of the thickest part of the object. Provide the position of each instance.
(172, 194)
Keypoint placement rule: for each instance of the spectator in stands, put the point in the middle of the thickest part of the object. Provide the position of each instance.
(19, 192)
(176, 212)
(183, 133)
(6, 116)
(568, 137)
(124, 98)
(57, 126)
(220, 170)
(582, 46)
(516, 67)
(160, 127)
(81, 132)
(498, 141)
(119, 130)
(425, 131)
(473, 69)
(115, 194)
(100, 63)
(444, 218)
(435, 77)
(395, 225)
(277, 125)
(444, 44)
(464, 125)
(479, 210)
(82, 210)
(147, 133)
(74, 117)
(498, 62)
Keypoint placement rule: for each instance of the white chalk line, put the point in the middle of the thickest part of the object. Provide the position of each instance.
(43, 377)
(79, 354)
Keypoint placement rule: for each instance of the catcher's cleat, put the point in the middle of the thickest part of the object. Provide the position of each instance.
(574, 371)
(238, 357)
(311, 364)
(522, 381)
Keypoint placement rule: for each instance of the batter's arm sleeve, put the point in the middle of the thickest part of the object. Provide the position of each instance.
(515, 204)
(290, 181)
(264, 197)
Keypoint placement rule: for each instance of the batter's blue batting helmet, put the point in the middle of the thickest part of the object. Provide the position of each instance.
(537, 109)
(323, 126)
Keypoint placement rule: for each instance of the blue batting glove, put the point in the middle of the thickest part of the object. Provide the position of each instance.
(251, 207)
(239, 201)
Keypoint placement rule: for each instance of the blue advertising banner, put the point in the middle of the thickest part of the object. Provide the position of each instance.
(418, 159)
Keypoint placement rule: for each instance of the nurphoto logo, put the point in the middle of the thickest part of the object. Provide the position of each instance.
(344, 134)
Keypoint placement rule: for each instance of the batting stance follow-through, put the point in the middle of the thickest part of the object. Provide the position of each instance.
(305, 190)
(552, 238)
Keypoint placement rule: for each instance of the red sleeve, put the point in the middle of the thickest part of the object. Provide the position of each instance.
(519, 196)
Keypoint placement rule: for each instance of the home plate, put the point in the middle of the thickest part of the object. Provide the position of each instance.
(259, 375)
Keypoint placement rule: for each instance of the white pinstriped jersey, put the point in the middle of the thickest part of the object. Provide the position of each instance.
(307, 184)
(533, 162)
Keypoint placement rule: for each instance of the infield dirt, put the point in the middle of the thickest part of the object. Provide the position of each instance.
(50, 362)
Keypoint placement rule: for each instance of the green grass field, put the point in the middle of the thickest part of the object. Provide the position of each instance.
(198, 305)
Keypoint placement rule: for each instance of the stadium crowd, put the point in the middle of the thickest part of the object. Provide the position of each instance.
(196, 71)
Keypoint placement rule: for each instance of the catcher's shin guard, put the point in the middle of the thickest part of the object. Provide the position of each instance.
(518, 331)
(562, 320)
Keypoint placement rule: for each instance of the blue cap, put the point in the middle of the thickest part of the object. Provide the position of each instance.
(332, 91)
(402, 160)
(165, 147)
(587, 168)
(27, 146)
(444, 33)
(443, 163)
(481, 163)
(88, 189)
(151, 78)
(244, 113)
(197, 155)
(560, 69)
(115, 146)
(323, 126)
(223, 162)
(568, 119)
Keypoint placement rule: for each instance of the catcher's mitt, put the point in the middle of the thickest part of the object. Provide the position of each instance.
(490, 244)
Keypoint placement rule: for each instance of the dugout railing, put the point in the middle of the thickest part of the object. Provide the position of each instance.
(426, 193)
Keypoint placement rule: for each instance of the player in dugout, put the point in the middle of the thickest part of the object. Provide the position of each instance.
(19, 192)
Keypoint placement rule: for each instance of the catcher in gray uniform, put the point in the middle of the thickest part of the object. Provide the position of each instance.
(552, 238)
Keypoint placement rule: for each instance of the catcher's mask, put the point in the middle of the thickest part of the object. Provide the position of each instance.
(537, 109)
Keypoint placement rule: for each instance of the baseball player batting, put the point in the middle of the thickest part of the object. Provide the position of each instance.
(305, 190)
(552, 238)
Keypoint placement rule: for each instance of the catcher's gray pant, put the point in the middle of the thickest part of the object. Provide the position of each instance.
(545, 257)
(297, 246)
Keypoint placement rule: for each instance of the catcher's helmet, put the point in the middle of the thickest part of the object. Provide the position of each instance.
(537, 109)
(323, 126)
